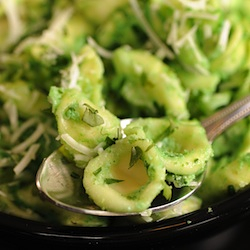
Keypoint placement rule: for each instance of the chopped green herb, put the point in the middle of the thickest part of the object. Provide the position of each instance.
(196, 160)
(91, 117)
(112, 181)
(109, 141)
(97, 171)
(136, 154)
(149, 147)
(168, 131)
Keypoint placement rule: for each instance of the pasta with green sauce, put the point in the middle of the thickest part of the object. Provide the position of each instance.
(70, 72)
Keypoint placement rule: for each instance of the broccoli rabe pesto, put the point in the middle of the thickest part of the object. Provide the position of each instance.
(115, 185)
(181, 147)
(148, 83)
(70, 71)
(183, 144)
(155, 160)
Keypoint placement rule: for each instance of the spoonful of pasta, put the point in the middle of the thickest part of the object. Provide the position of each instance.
(137, 166)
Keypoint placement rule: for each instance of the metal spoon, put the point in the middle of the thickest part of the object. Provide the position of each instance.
(59, 181)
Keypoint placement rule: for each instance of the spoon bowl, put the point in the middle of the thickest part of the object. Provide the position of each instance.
(60, 181)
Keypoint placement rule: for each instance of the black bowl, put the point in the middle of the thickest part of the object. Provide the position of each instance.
(171, 233)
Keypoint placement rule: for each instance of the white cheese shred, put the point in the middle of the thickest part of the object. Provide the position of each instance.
(223, 39)
(56, 26)
(19, 131)
(100, 50)
(150, 32)
(77, 146)
(4, 162)
(70, 77)
(29, 141)
(188, 36)
(5, 133)
(3, 194)
(16, 27)
(27, 158)
(194, 4)
(81, 157)
(11, 110)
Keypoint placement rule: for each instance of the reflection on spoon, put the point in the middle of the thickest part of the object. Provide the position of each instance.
(60, 181)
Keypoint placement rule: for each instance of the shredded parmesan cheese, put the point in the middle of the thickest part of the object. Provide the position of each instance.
(173, 33)
(5, 133)
(81, 157)
(200, 15)
(74, 72)
(3, 194)
(77, 146)
(4, 162)
(223, 40)
(11, 111)
(56, 26)
(29, 141)
(187, 37)
(14, 20)
(49, 36)
(20, 130)
(100, 50)
(28, 157)
(150, 32)
(194, 4)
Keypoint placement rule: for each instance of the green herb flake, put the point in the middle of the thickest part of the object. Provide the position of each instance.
(97, 171)
(149, 147)
(196, 161)
(112, 181)
(109, 141)
(91, 116)
(136, 154)
(166, 133)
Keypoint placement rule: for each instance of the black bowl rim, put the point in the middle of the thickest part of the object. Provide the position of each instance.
(202, 222)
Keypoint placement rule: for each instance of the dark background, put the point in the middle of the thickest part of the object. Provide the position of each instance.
(237, 236)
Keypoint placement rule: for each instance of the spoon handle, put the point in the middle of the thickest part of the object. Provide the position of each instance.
(220, 121)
